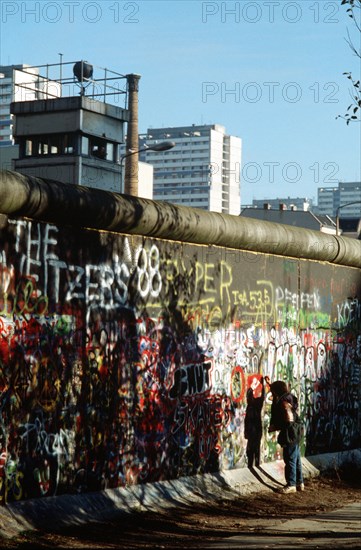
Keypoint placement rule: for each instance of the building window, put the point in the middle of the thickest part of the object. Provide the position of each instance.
(69, 144)
(43, 147)
(84, 145)
(101, 149)
(53, 144)
(110, 154)
(28, 148)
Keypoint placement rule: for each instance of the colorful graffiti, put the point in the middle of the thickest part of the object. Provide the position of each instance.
(126, 360)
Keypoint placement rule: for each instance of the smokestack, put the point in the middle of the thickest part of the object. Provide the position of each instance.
(131, 162)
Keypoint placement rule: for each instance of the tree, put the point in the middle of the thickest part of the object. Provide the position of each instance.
(354, 110)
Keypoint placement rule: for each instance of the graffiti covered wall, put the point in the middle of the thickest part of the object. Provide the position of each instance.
(126, 359)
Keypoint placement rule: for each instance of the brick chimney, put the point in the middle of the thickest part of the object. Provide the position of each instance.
(131, 162)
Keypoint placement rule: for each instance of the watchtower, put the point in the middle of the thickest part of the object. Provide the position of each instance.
(73, 137)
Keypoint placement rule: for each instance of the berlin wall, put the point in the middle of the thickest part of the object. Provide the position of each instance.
(125, 358)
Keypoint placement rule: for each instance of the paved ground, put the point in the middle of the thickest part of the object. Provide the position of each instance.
(327, 514)
(339, 528)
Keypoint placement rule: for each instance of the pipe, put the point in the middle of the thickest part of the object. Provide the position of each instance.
(67, 204)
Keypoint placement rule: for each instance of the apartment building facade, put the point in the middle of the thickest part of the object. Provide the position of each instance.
(334, 199)
(21, 83)
(202, 170)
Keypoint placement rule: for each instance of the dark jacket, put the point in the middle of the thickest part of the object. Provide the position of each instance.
(283, 411)
(253, 419)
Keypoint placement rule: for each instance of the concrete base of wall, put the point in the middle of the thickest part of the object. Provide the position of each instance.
(72, 510)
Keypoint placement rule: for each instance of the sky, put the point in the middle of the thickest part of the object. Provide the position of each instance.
(270, 72)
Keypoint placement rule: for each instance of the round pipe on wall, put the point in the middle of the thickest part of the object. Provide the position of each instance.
(60, 203)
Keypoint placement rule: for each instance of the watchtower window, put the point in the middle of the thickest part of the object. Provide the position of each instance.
(69, 144)
(43, 146)
(84, 145)
(52, 144)
(110, 151)
(98, 148)
(28, 148)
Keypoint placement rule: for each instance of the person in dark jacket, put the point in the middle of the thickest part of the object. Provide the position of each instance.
(253, 426)
(283, 415)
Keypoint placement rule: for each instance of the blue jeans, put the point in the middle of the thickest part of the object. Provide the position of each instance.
(293, 465)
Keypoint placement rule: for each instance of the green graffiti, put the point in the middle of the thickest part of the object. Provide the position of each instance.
(290, 316)
(313, 319)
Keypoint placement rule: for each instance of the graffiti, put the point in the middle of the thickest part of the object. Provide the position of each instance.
(348, 312)
(238, 384)
(297, 300)
(24, 300)
(100, 285)
(10, 480)
(199, 424)
(124, 359)
(191, 380)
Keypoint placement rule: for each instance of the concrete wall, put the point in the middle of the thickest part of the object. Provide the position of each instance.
(126, 358)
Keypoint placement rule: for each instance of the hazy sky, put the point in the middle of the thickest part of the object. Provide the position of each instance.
(269, 71)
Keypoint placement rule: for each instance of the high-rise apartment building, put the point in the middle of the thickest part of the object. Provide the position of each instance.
(202, 170)
(331, 199)
(350, 192)
(328, 199)
(21, 83)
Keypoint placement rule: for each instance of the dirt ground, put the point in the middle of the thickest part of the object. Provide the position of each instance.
(203, 523)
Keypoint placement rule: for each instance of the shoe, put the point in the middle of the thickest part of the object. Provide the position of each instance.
(288, 489)
(301, 487)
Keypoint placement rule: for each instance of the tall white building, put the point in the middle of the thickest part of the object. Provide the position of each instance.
(21, 83)
(202, 170)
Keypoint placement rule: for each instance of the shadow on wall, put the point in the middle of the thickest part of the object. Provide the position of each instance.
(123, 359)
(99, 386)
(332, 409)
